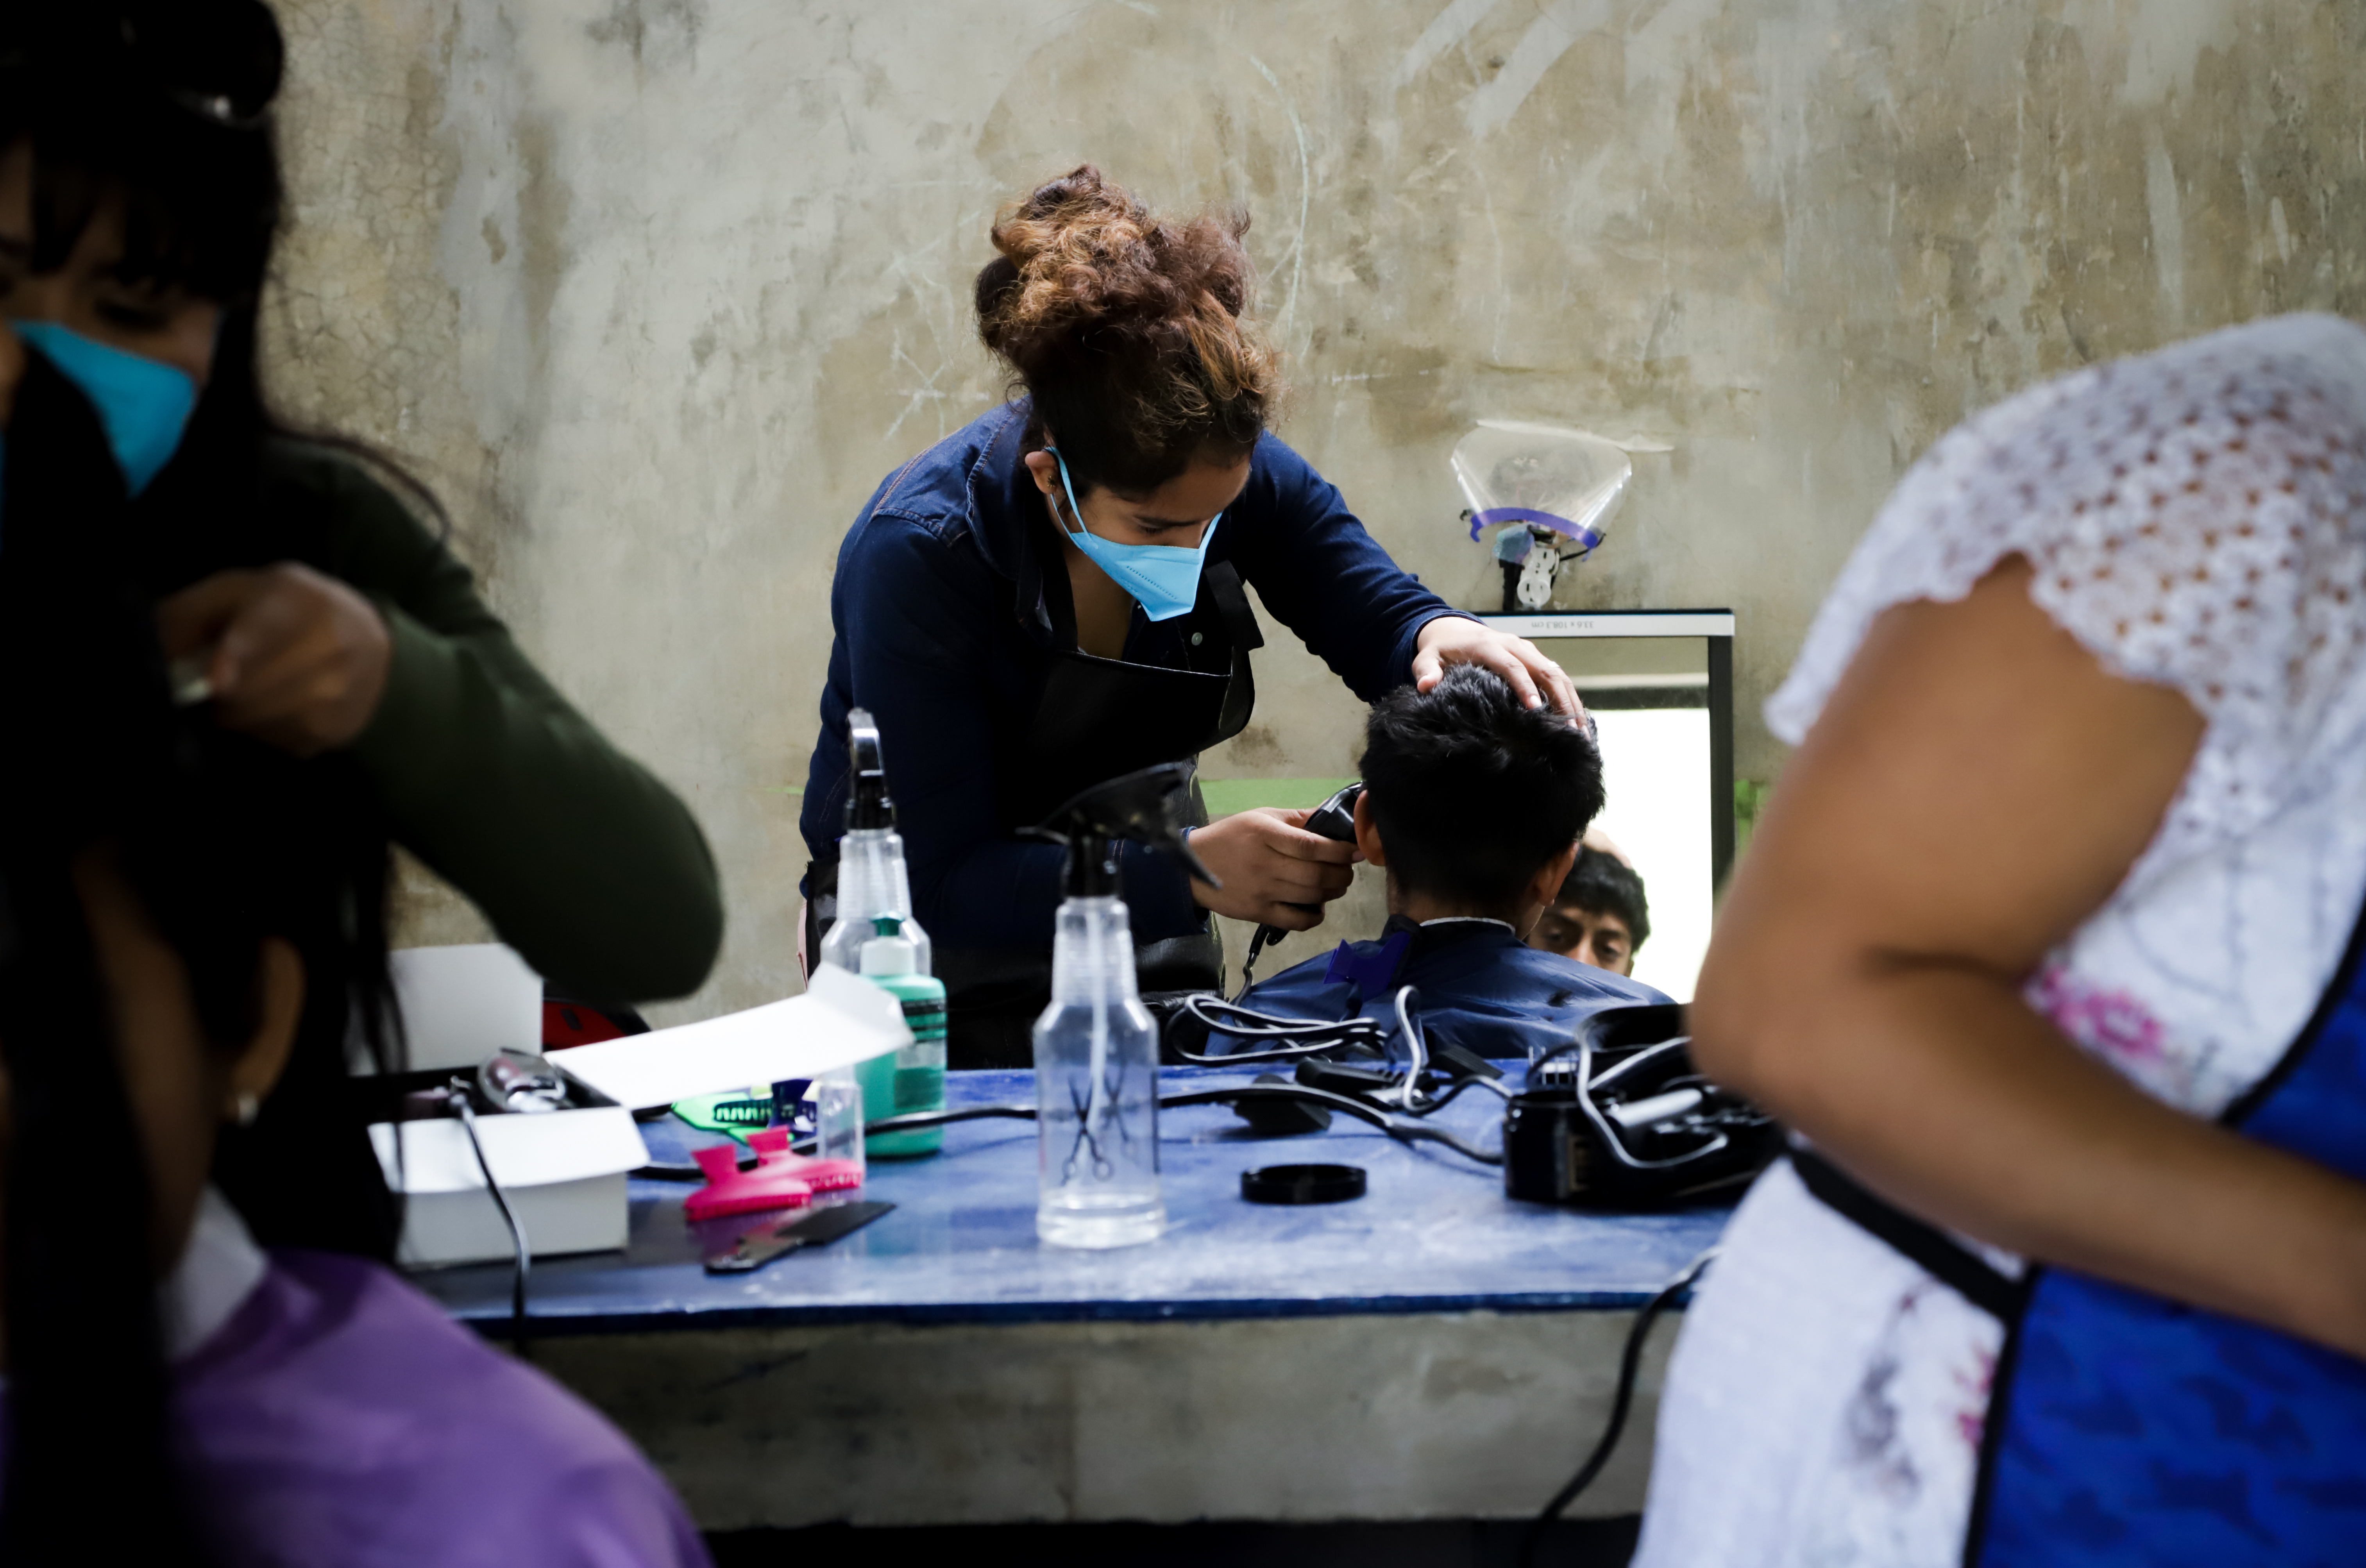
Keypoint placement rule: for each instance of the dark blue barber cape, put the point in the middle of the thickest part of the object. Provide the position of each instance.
(1477, 985)
(944, 632)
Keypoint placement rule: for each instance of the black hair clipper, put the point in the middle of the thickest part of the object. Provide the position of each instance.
(519, 1080)
(1334, 820)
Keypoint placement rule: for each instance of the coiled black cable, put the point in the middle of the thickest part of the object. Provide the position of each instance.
(1307, 1037)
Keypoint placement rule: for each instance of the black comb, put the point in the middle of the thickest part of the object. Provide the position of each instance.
(769, 1240)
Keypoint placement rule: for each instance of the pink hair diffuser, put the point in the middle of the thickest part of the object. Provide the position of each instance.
(779, 1180)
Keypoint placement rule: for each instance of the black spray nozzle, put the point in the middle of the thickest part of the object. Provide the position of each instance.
(867, 802)
(1146, 807)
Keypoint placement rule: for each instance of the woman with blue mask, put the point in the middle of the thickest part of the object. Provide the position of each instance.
(304, 604)
(1055, 595)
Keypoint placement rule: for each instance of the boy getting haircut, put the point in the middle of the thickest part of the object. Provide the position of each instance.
(1472, 792)
(1600, 916)
(1473, 804)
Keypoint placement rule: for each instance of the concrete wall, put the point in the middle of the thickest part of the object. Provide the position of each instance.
(656, 291)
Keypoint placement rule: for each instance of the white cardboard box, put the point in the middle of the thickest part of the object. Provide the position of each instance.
(564, 1171)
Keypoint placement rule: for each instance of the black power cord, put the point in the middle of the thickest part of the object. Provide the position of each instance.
(1404, 1132)
(1453, 1093)
(1348, 1105)
(523, 1255)
(694, 1176)
(1630, 1362)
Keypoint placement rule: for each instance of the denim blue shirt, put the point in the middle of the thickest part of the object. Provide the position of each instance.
(942, 630)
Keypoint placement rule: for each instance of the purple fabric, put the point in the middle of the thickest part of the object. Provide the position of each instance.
(341, 1419)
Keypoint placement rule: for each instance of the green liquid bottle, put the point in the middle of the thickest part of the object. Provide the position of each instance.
(911, 1079)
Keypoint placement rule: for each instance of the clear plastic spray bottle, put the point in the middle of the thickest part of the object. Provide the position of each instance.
(1096, 1047)
(871, 883)
(872, 880)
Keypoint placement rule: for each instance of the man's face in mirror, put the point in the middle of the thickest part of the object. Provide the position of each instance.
(1590, 937)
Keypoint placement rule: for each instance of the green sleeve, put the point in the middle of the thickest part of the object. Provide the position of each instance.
(581, 860)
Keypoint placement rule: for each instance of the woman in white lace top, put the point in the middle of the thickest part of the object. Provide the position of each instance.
(2047, 938)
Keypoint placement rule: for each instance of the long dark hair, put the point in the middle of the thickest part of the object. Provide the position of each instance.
(163, 106)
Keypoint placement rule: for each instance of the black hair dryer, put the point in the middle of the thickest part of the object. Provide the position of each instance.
(1145, 806)
(1334, 820)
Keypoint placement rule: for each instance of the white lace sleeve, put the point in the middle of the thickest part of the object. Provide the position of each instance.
(2196, 517)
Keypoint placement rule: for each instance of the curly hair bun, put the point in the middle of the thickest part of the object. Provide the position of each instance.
(1127, 331)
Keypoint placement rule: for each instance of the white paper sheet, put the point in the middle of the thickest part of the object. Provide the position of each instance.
(842, 1018)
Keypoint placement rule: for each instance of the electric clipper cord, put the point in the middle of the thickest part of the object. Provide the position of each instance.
(459, 1095)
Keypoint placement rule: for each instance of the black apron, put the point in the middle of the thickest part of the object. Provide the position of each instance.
(1094, 719)
(1097, 719)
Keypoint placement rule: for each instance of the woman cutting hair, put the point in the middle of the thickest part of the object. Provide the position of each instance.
(139, 195)
(1054, 596)
(2050, 941)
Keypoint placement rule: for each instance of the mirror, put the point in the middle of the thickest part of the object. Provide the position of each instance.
(1660, 686)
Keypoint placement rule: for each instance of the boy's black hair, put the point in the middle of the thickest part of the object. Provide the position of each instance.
(1602, 884)
(1471, 791)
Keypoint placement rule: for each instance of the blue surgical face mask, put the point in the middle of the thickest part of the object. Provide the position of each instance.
(142, 405)
(1163, 580)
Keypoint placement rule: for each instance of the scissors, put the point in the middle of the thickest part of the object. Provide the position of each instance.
(1103, 1167)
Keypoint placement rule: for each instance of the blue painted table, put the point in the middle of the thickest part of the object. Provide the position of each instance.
(1432, 1349)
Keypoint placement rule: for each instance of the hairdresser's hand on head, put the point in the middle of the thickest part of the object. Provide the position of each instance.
(1596, 838)
(1270, 862)
(294, 657)
(1452, 639)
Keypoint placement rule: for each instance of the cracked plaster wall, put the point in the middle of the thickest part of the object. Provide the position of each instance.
(656, 291)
